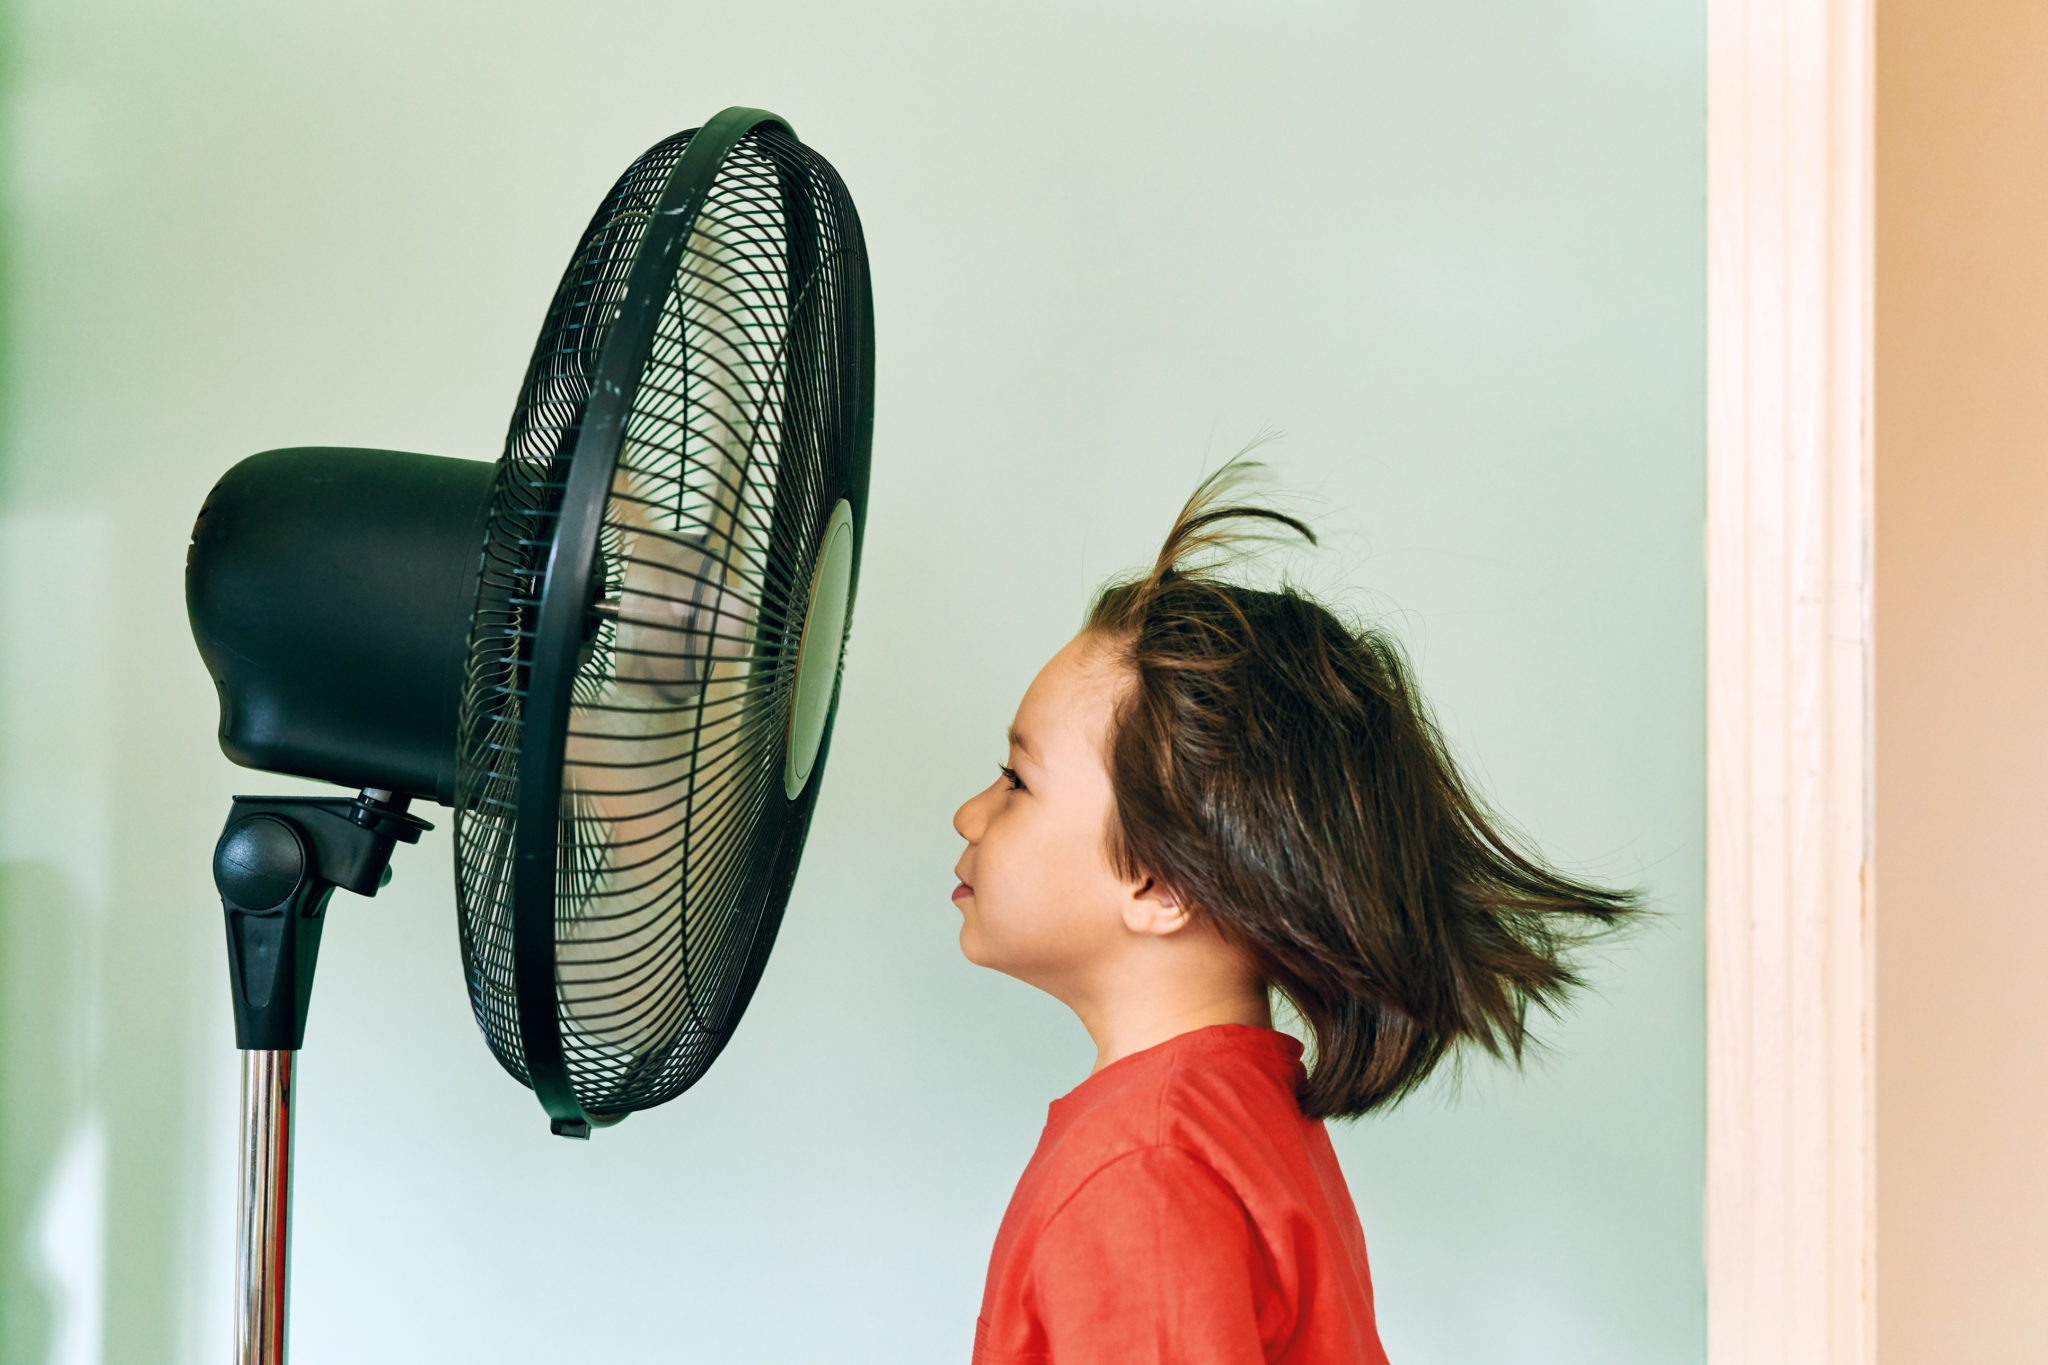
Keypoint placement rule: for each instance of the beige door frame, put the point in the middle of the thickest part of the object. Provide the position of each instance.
(1790, 1220)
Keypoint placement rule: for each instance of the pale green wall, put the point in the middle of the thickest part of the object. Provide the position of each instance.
(1453, 248)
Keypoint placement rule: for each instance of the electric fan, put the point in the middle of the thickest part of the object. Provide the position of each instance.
(615, 654)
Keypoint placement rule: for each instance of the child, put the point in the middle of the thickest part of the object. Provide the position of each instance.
(1213, 793)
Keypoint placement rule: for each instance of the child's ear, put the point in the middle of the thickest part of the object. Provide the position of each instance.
(1154, 909)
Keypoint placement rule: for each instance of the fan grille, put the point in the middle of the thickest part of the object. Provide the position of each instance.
(676, 844)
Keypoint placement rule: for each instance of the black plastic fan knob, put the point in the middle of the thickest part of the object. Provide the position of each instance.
(259, 863)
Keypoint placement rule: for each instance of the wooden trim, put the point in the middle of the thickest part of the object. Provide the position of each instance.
(1789, 1210)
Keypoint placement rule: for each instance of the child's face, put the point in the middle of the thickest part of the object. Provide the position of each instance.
(1038, 897)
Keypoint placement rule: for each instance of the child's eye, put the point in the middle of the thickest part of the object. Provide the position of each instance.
(1010, 776)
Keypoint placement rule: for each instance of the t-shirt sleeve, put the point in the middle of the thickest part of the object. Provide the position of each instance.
(1151, 1260)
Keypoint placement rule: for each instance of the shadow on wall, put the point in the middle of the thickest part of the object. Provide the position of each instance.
(97, 1263)
(53, 1175)
(96, 975)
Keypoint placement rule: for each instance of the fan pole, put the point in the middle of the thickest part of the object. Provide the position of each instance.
(276, 864)
(263, 1240)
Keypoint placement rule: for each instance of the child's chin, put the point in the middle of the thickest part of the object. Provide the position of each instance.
(976, 948)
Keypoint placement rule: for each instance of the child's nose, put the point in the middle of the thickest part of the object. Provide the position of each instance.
(966, 823)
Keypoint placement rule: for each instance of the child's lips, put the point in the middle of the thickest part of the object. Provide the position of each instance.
(962, 890)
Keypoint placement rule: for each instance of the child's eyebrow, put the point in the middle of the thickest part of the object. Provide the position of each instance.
(1017, 738)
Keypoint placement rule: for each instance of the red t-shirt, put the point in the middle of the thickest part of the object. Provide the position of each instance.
(1179, 1210)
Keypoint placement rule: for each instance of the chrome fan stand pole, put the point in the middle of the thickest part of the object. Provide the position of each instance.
(263, 1239)
(276, 864)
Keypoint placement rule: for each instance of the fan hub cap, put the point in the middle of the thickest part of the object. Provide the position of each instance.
(817, 661)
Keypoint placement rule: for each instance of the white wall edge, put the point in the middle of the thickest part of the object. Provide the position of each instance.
(1790, 1214)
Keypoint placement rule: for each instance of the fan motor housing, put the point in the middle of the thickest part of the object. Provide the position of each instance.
(330, 591)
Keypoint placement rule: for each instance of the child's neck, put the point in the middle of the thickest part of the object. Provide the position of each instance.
(1128, 1023)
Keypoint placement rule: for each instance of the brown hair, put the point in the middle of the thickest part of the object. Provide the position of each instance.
(1278, 770)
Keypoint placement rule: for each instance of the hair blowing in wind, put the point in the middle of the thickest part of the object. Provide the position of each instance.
(1278, 769)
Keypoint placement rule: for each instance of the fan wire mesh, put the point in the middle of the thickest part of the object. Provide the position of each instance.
(676, 842)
